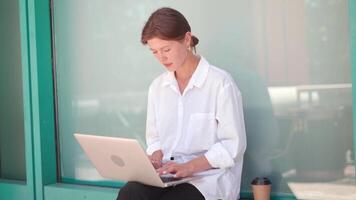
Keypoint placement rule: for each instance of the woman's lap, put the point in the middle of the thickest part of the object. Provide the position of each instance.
(139, 191)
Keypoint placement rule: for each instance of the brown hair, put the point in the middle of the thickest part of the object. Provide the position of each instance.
(167, 24)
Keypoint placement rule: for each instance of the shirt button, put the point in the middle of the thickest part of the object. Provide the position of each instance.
(180, 104)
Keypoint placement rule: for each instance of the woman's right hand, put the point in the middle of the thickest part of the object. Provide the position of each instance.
(156, 159)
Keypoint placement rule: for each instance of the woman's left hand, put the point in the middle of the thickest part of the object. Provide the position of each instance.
(179, 170)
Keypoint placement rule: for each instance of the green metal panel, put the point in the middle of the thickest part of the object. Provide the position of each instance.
(38, 102)
(352, 12)
(26, 98)
(15, 191)
(41, 94)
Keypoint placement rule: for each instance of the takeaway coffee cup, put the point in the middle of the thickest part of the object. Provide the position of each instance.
(261, 188)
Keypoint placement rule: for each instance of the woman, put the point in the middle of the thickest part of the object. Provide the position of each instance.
(194, 118)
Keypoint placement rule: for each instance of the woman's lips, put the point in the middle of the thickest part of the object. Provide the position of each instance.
(168, 64)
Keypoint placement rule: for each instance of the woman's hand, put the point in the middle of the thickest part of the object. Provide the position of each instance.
(156, 159)
(179, 170)
(185, 169)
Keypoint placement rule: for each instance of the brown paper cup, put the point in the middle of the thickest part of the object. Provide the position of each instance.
(261, 188)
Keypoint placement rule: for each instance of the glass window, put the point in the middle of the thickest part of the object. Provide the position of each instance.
(290, 59)
(12, 139)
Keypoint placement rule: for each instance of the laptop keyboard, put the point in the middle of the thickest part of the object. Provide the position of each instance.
(166, 179)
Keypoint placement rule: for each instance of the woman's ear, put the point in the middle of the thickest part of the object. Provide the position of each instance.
(188, 39)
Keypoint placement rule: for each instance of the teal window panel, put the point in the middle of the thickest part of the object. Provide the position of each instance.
(290, 59)
(12, 137)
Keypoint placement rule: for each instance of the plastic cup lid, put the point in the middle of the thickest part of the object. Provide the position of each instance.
(261, 181)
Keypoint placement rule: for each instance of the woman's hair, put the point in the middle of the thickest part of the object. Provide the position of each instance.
(167, 24)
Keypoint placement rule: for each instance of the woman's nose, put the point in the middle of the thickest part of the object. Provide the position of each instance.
(163, 57)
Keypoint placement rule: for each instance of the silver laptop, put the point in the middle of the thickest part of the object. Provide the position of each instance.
(123, 159)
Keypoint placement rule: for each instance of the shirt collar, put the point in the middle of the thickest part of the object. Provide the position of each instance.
(169, 79)
(201, 73)
(199, 76)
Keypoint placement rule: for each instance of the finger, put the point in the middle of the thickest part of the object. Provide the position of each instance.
(159, 163)
(159, 170)
(181, 174)
(162, 170)
(156, 165)
(178, 174)
(184, 173)
(173, 169)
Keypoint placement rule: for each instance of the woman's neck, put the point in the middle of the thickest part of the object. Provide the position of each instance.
(186, 71)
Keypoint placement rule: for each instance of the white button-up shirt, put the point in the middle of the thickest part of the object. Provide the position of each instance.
(207, 119)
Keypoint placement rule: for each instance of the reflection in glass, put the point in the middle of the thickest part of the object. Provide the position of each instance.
(290, 59)
(12, 144)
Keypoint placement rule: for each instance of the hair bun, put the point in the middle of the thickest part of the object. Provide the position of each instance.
(194, 41)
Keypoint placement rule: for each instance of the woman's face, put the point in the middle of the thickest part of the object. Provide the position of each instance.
(170, 53)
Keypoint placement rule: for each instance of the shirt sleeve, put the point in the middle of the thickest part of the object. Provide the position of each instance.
(152, 137)
(231, 134)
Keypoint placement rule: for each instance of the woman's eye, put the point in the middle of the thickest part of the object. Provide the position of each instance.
(166, 50)
(154, 52)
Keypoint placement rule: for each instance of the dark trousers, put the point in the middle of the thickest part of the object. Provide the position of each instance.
(139, 191)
